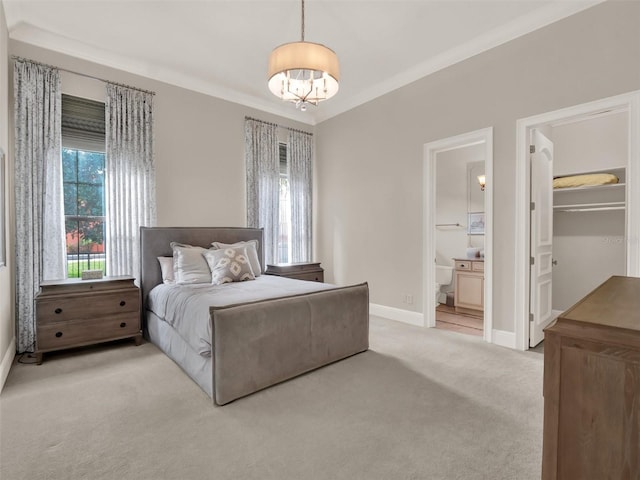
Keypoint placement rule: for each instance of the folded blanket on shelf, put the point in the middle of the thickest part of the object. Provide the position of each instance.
(584, 180)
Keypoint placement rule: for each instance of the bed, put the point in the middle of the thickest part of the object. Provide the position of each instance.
(254, 343)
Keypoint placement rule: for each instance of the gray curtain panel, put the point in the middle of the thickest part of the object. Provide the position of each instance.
(130, 194)
(300, 153)
(263, 182)
(40, 240)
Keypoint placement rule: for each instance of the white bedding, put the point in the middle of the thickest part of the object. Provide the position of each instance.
(186, 307)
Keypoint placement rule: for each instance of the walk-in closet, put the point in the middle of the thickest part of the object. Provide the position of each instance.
(589, 220)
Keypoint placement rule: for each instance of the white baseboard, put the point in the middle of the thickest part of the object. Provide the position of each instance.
(503, 338)
(7, 361)
(556, 313)
(397, 314)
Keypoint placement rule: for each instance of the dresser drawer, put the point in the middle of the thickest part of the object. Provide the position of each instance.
(462, 265)
(53, 336)
(79, 307)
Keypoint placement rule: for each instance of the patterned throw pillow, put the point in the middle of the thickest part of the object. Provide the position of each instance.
(229, 265)
(252, 253)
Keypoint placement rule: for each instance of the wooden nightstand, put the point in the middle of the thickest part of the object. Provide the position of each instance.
(300, 271)
(73, 312)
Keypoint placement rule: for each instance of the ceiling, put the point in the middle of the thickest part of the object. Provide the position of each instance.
(221, 47)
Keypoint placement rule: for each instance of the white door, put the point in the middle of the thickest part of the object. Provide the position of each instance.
(540, 306)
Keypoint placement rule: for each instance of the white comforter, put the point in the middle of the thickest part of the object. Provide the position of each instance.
(186, 307)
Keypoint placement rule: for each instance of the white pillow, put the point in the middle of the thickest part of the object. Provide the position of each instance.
(166, 265)
(252, 253)
(189, 266)
(229, 265)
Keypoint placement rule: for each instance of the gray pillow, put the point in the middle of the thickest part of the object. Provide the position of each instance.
(229, 265)
(166, 265)
(189, 266)
(252, 253)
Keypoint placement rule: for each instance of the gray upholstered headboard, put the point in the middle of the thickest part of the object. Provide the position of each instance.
(154, 243)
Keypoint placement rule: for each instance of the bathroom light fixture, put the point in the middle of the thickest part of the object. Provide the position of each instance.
(482, 180)
(303, 72)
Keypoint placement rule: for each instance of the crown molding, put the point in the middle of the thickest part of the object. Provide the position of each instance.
(38, 37)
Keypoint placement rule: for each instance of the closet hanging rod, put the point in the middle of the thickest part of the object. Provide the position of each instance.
(597, 206)
(448, 225)
(23, 59)
(590, 209)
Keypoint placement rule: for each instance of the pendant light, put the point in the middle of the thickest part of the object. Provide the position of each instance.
(303, 72)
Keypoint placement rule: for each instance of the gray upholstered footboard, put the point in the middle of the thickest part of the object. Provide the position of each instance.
(259, 344)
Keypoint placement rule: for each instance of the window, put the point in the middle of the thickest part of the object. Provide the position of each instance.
(83, 172)
(83, 177)
(284, 213)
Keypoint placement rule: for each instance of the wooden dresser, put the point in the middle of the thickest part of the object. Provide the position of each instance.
(74, 312)
(299, 271)
(592, 386)
(469, 285)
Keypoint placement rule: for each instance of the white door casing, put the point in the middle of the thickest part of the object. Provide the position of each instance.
(541, 246)
(484, 136)
(629, 102)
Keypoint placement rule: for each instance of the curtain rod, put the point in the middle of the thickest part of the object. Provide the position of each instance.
(22, 59)
(276, 125)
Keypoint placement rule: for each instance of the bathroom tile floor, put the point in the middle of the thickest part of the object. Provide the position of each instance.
(448, 319)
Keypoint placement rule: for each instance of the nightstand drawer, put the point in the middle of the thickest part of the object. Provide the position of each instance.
(311, 271)
(79, 307)
(75, 333)
(311, 276)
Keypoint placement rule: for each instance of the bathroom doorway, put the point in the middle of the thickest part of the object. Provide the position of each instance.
(458, 206)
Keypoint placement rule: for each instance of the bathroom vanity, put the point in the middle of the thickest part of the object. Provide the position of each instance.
(469, 285)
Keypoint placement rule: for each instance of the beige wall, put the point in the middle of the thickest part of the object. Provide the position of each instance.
(370, 158)
(6, 286)
(589, 145)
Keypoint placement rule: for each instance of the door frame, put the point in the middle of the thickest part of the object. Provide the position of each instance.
(629, 102)
(431, 151)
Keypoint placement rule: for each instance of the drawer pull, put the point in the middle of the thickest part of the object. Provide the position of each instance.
(58, 311)
(123, 303)
(58, 334)
(123, 324)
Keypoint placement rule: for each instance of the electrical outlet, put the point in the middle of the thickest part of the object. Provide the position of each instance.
(409, 299)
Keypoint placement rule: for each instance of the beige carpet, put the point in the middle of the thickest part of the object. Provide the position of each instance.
(421, 404)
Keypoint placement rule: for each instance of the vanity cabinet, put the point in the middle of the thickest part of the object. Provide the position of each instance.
(469, 285)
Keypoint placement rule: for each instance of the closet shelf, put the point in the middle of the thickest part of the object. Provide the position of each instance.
(609, 186)
(590, 207)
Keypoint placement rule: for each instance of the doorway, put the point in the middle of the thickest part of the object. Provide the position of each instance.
(474, 222)
(599, 221)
